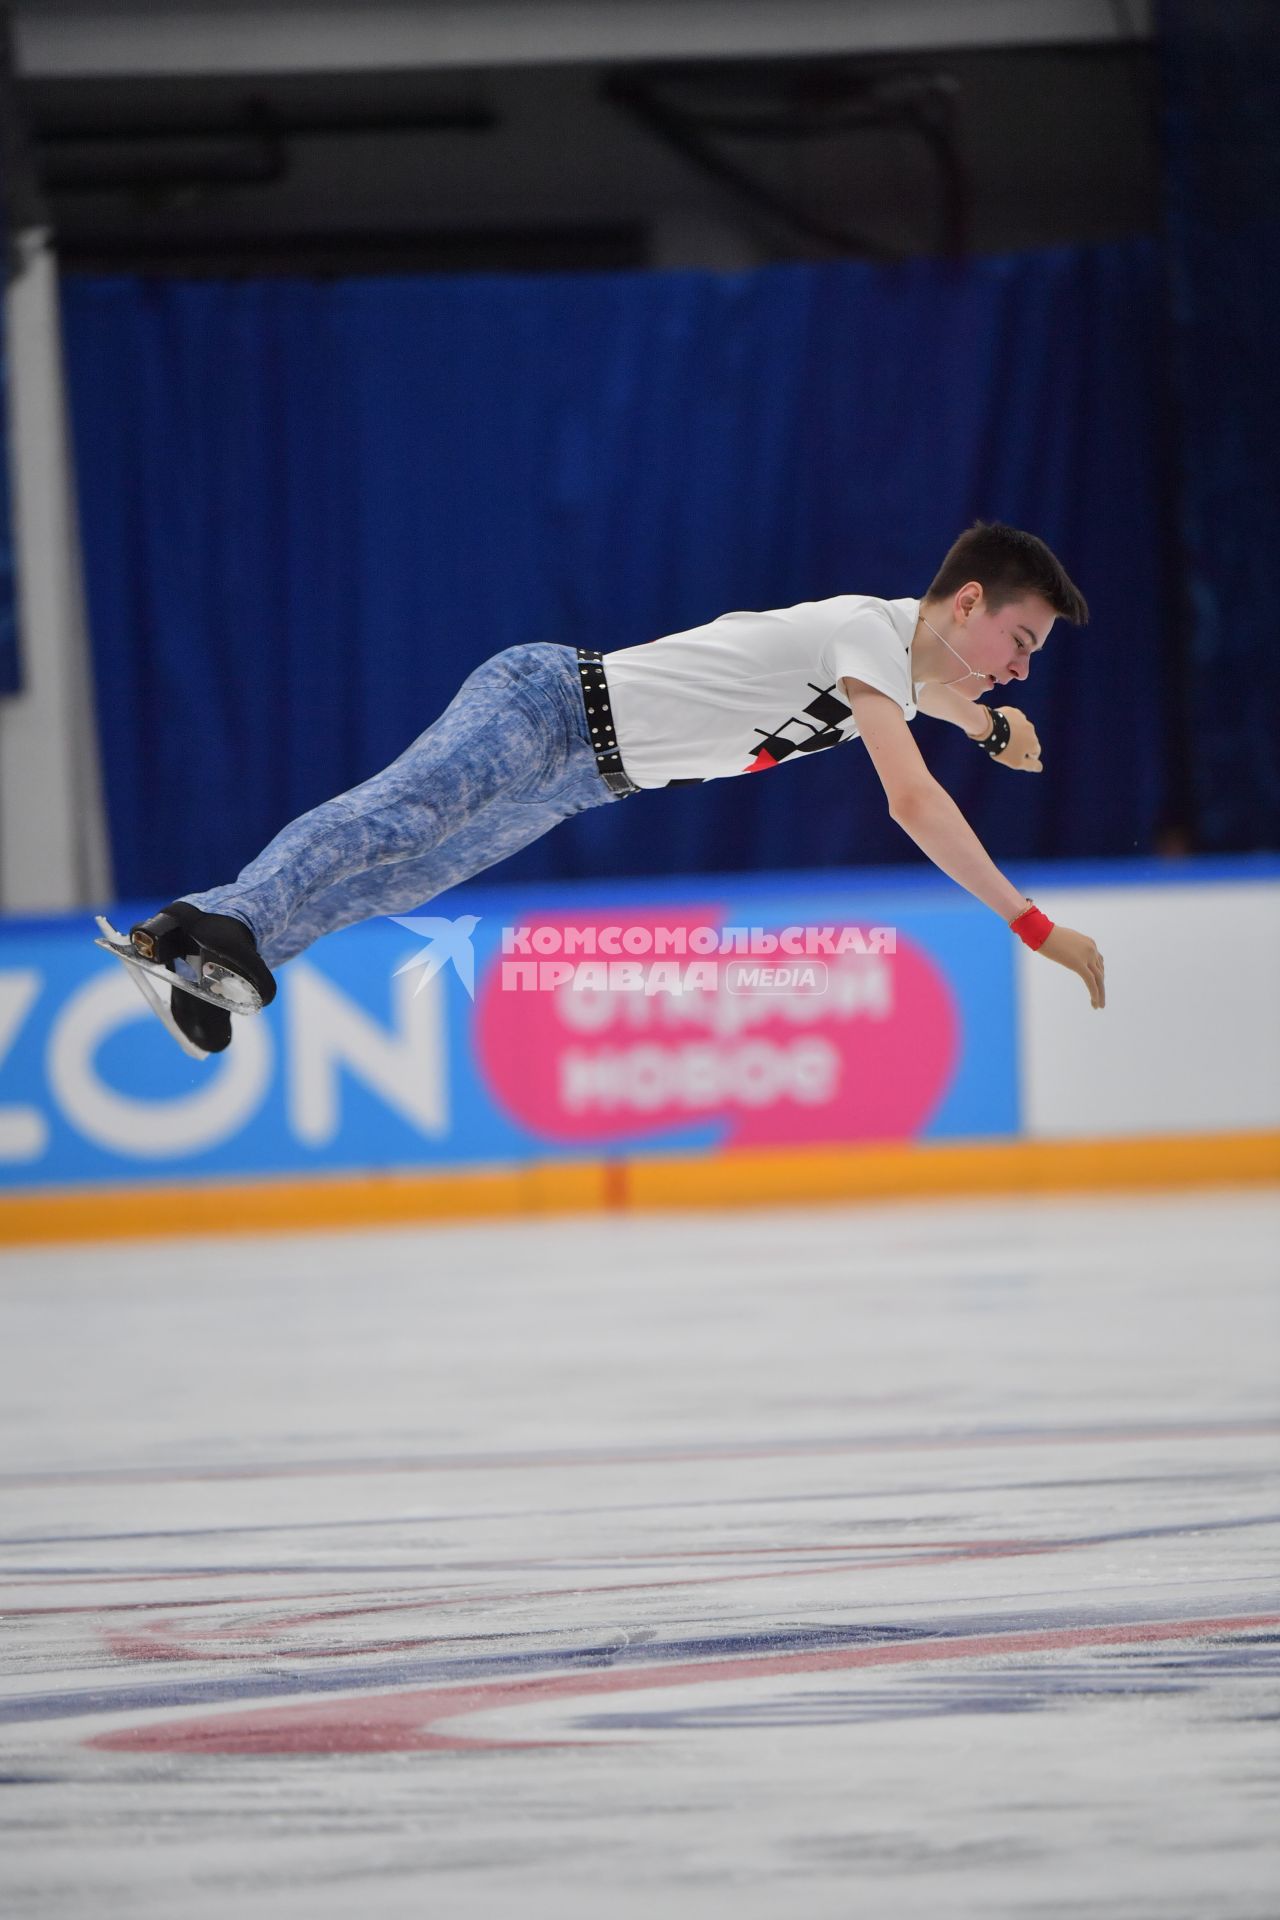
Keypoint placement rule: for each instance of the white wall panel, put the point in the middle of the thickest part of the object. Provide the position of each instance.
(1189, 1040)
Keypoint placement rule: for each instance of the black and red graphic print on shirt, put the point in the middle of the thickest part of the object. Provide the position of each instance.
(813, 730)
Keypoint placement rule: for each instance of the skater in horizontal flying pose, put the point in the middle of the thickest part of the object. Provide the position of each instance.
(543, 731)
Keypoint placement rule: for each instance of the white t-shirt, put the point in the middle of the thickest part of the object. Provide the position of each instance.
(751, 689)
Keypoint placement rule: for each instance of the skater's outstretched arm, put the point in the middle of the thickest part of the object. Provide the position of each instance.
(926, 812)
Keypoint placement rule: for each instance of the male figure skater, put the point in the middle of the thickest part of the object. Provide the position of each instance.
(543, 731)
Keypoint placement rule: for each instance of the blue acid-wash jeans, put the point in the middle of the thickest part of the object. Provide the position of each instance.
(507, 760)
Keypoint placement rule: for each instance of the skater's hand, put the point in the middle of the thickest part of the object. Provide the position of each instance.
(1023, 750)
(1077, 951)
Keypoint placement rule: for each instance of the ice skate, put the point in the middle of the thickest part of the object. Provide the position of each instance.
(195, 970)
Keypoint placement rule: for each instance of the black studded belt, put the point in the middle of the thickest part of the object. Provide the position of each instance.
(595, 698)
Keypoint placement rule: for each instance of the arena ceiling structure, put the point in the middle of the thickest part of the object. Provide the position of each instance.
(207, 136)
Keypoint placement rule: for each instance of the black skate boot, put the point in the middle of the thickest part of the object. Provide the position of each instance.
(218, 955)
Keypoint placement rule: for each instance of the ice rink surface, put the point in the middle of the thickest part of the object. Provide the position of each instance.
(915, 1561)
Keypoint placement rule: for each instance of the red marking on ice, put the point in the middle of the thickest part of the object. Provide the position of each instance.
(189, 1641)
(404, 1722)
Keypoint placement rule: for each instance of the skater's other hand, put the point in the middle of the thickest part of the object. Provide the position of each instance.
(1077, 951)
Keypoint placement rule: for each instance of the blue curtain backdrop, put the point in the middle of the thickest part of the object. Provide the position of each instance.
(310, 509)
(1221, 68)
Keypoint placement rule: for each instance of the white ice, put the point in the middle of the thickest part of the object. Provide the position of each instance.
(892, 1561)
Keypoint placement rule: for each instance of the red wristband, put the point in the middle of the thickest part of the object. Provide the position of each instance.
(1032, 927)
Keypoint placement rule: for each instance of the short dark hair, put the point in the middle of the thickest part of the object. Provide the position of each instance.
(1007, 564)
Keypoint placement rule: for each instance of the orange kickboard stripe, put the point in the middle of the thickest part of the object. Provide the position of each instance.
(779, 1177)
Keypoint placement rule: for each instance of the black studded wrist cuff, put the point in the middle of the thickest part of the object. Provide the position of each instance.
(1000, 735)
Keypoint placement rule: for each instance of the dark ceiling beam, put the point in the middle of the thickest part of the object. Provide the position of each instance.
(79, 39)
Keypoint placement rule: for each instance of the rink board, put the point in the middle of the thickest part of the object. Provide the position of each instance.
(852, 1033)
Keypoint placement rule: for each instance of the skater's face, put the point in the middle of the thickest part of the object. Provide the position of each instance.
(998, 643)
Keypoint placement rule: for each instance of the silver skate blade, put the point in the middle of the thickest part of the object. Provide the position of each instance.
(230, 990)
(237, 997)
(156, 998)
